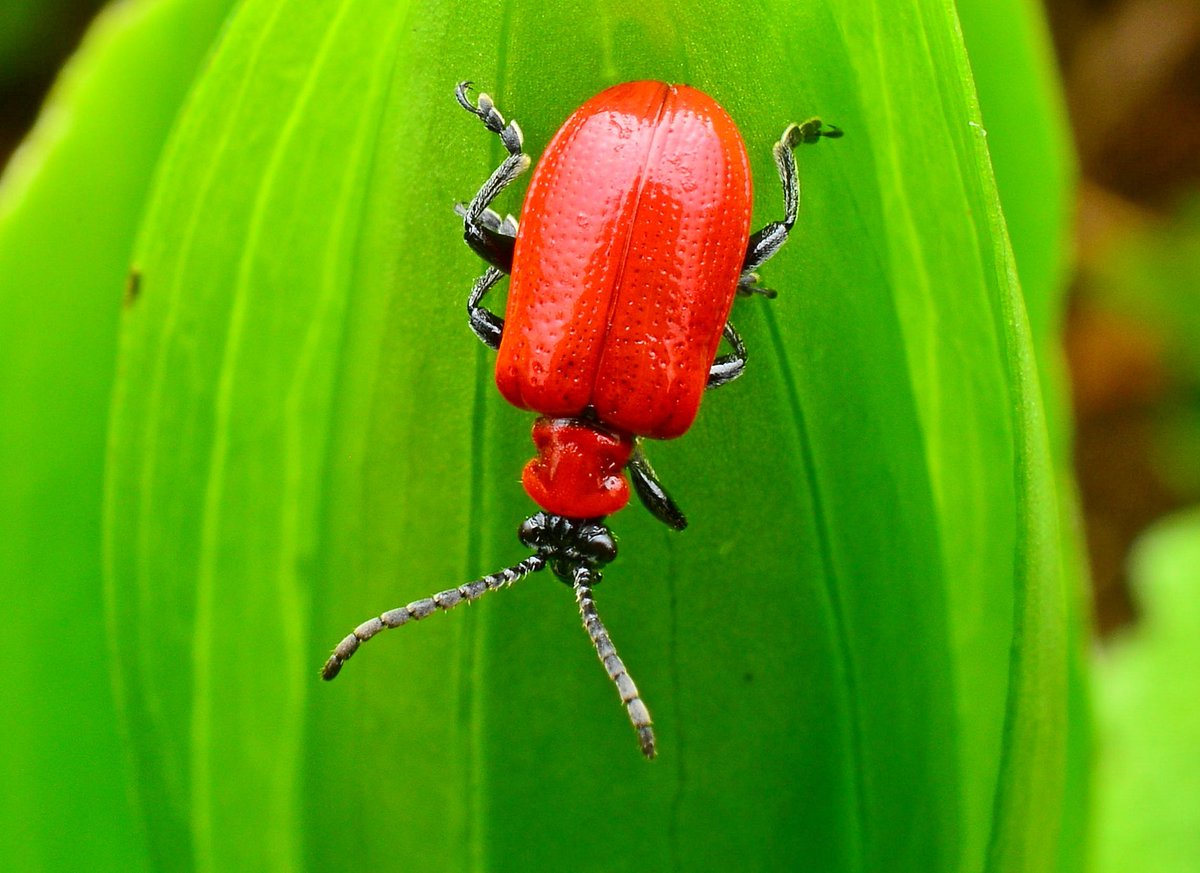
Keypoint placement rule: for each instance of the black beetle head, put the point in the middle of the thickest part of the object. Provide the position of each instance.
(568, 543)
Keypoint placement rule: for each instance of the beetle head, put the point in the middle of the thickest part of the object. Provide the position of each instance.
(568, 543)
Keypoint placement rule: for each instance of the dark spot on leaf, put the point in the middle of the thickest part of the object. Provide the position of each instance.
(747, 678)
(133, 287)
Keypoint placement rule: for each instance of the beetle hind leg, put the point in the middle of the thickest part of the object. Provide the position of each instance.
(490, 236)
(766, 242)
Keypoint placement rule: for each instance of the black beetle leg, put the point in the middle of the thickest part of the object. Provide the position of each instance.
(748, 286)
(490, 236)
(651, 492)
(766, 242)
(726, 368)
(486, 324)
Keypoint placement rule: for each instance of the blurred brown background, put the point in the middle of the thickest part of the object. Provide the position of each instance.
(1132, 78)
(1131, 70)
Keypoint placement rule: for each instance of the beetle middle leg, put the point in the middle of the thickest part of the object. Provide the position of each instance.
(766, 242)
(490, 236)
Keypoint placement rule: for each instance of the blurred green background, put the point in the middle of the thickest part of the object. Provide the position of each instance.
(877, 649)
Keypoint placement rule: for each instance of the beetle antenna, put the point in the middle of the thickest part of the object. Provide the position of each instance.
(420, 609)
(585, 577)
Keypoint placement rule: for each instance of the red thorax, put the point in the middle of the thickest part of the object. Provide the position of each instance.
(579, 470)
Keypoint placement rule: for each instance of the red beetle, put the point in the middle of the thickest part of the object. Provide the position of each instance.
(634, 240)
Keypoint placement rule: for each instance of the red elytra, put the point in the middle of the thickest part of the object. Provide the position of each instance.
(634, 241)
(627, 260)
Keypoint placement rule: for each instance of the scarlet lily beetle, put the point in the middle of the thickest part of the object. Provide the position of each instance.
(633, 242)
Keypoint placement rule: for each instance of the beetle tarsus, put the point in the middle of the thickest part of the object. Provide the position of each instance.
(748, 286)
(766, 242)
(484, 108)
(490, 219)
(809, 132)
(491, 237)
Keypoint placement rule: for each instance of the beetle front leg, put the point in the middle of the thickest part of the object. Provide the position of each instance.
(651, 492)
(726, 368)
(766, 242)
(490, 236)
(487, 325)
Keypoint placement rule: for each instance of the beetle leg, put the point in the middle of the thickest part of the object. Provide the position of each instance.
(766, 242)
(726, 368)
(748, 286)
(487, 325)
(651, 492)
(490, 236)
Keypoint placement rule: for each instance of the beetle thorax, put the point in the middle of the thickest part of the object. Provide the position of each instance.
(579, 468)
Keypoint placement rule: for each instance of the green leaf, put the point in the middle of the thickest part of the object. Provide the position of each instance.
(69, 206)
(1029, 141)
(305, 433)
(1149, 726)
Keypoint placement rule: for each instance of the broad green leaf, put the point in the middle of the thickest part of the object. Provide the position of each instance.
(1147, 684)
(305, 433)
(1030, 145)
(69, 206)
